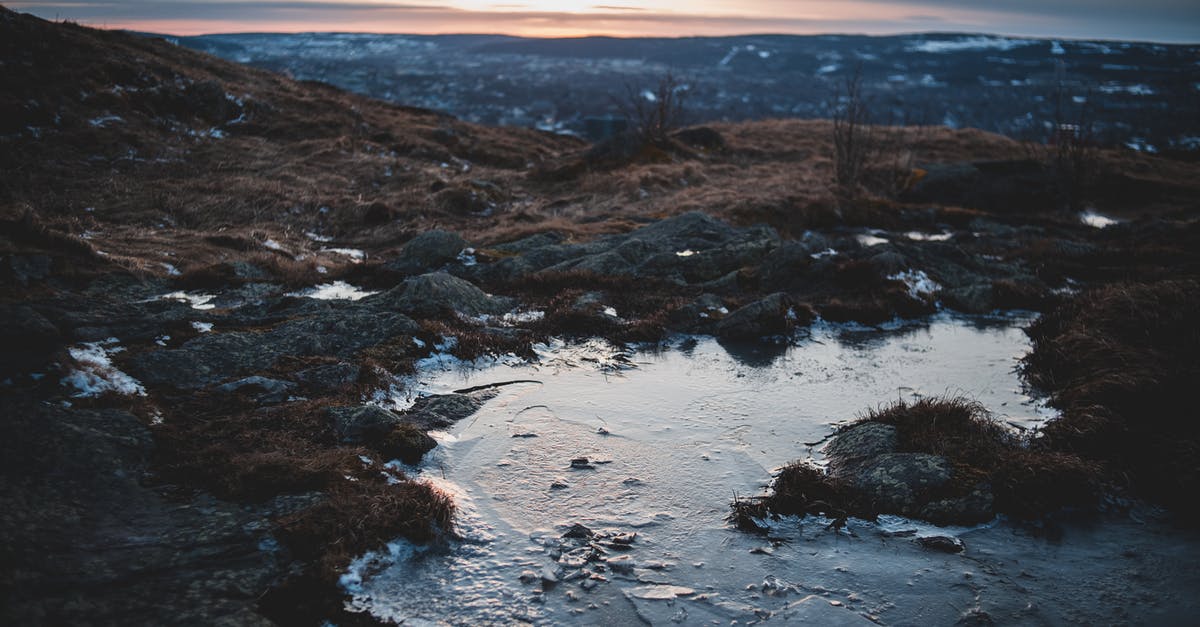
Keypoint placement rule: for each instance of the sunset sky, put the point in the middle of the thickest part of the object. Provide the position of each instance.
(1153, 20)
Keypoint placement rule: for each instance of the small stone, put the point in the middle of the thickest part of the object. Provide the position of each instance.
(581, 463)
(525, 434)
(762, 550)
(602, 431)
(624, 538)
(549, 576)
(945, 544)
(578, 531)
(528, 576)
(559, 485)
(588, 584)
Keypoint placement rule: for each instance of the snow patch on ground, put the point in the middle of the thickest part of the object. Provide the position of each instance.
(1096, 220)
(355, 255)
(338, 290)
(919, 284)
(197, 301)
(95, 373)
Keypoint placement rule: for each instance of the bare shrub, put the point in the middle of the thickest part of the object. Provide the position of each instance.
(655, 113)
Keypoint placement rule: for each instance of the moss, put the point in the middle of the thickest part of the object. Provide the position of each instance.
(404, 442)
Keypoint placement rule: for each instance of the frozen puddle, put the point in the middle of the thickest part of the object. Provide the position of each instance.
(669, 437)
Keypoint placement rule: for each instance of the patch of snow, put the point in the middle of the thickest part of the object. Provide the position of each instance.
(322, 270)
(197, 301)
(202, 327)
(104, 121)
(318, 238)
(941, 46)
(918, 236)
(96, 375)
(685, 253)
(467, 257)
(1096, 220)
(609, 311)
(273, 245)
(828, 69)
(355, 255)
(1056, 48)
(1133, 90)
(1141, 145)
(338, 290)
(919, 284)
(828, 252)
(870, 240)
(171, 270)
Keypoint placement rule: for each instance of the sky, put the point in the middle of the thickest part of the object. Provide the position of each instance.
(1173, 21)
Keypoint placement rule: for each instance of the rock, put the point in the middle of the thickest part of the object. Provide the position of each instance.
(328, 378)
(262, 389)
(578, 531)
(559, 484)
(334, 331)
(972, 299)
(428, 251)
(976, 507)
(772, 315)
(28, 338)
(702, 137)
(431, 295)
(405, 442)
(352, 424)
(944, 544)
(867, 439)
(86, 542)
(28, 269)
(432, 413)
(528, 577)
(524, 245)
(581, 463)
(897, 482)
(549, 575)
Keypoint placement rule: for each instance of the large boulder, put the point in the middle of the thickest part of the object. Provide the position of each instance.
(898, 482)
(434, 294)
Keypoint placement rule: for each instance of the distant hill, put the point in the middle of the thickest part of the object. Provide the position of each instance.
(1141, 94)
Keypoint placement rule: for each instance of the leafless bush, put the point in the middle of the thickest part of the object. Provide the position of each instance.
(853, 136)
(655, 113)
(1071, 147)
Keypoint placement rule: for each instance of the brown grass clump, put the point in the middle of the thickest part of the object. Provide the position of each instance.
(959, 429)
(1121, 362)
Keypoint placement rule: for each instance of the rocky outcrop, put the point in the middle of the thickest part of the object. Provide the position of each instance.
(774, 315)
(428, 251)
(431, 295)
(340, 332)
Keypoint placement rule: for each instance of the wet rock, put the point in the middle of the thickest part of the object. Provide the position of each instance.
(430, 295)
(578, 531)
(581, 463)
(261, 389)
(440, 411)
(404, 442)
(976, 507)
(533, 242)
(943, 544)
(975, 617)
(549, 576)
(774, 315)
(328, 378)
(528, 577)
(353, 423)
(973, 299)
(559, 484)
(428, 251)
